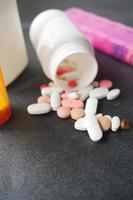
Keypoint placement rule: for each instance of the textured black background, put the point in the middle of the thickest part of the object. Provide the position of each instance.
(44, 157)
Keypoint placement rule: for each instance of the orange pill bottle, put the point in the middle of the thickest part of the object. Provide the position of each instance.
(5, 108)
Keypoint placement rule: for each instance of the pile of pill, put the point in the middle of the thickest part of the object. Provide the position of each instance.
(67, 72)
(71, 104)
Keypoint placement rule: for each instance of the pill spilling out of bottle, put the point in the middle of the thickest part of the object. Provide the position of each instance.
(72, 104)
(68, 73)
(68, 59)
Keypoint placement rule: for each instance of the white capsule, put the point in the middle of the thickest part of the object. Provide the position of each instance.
(55, 100)
(84, 92)
(80, 124)
(99, 93)
(49, 90)
(93, 128)
(115, 123)
(38, 108)
(113, 94)
(91, 106)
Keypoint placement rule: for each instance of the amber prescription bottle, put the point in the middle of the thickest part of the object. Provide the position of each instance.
(5, 109)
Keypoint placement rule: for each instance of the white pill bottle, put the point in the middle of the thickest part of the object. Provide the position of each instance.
(57, 43)
(13, 55)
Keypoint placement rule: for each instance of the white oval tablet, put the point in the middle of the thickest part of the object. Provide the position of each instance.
(38, 108)
(113, 94)
(49, 90)
(115, 123)
(93, 128)
(91, 106)
(99, 93)
(80, 125)
(95, 133)
(55, 100)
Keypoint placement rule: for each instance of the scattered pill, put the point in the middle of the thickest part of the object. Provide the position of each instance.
(43, 99)
(63, 69)
(72, 104)
(125, 124)
(72, 83)
(71, 95)
(80, 124)
(77, 113)
(91, 106)
(63, 112)
(95, 84)
(115, 123)
(109, 117)
(49, 90)
(113, 94)
(84, 92)
(38, 108)
(99, 115)
(106, 83)
(55, 100)
(64, 94)
(104, 123)
(99, 93)
(76, 103)
(66, 103)
(93, 128)
(73, 75)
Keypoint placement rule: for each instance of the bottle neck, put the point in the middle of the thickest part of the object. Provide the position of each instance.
(83, 55)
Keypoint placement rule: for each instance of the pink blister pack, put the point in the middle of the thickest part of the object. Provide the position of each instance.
(112, 38)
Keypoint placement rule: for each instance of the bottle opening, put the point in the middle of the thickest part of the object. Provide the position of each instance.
(76, 71)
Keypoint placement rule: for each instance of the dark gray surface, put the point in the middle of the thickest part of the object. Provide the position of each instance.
(44, 157)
